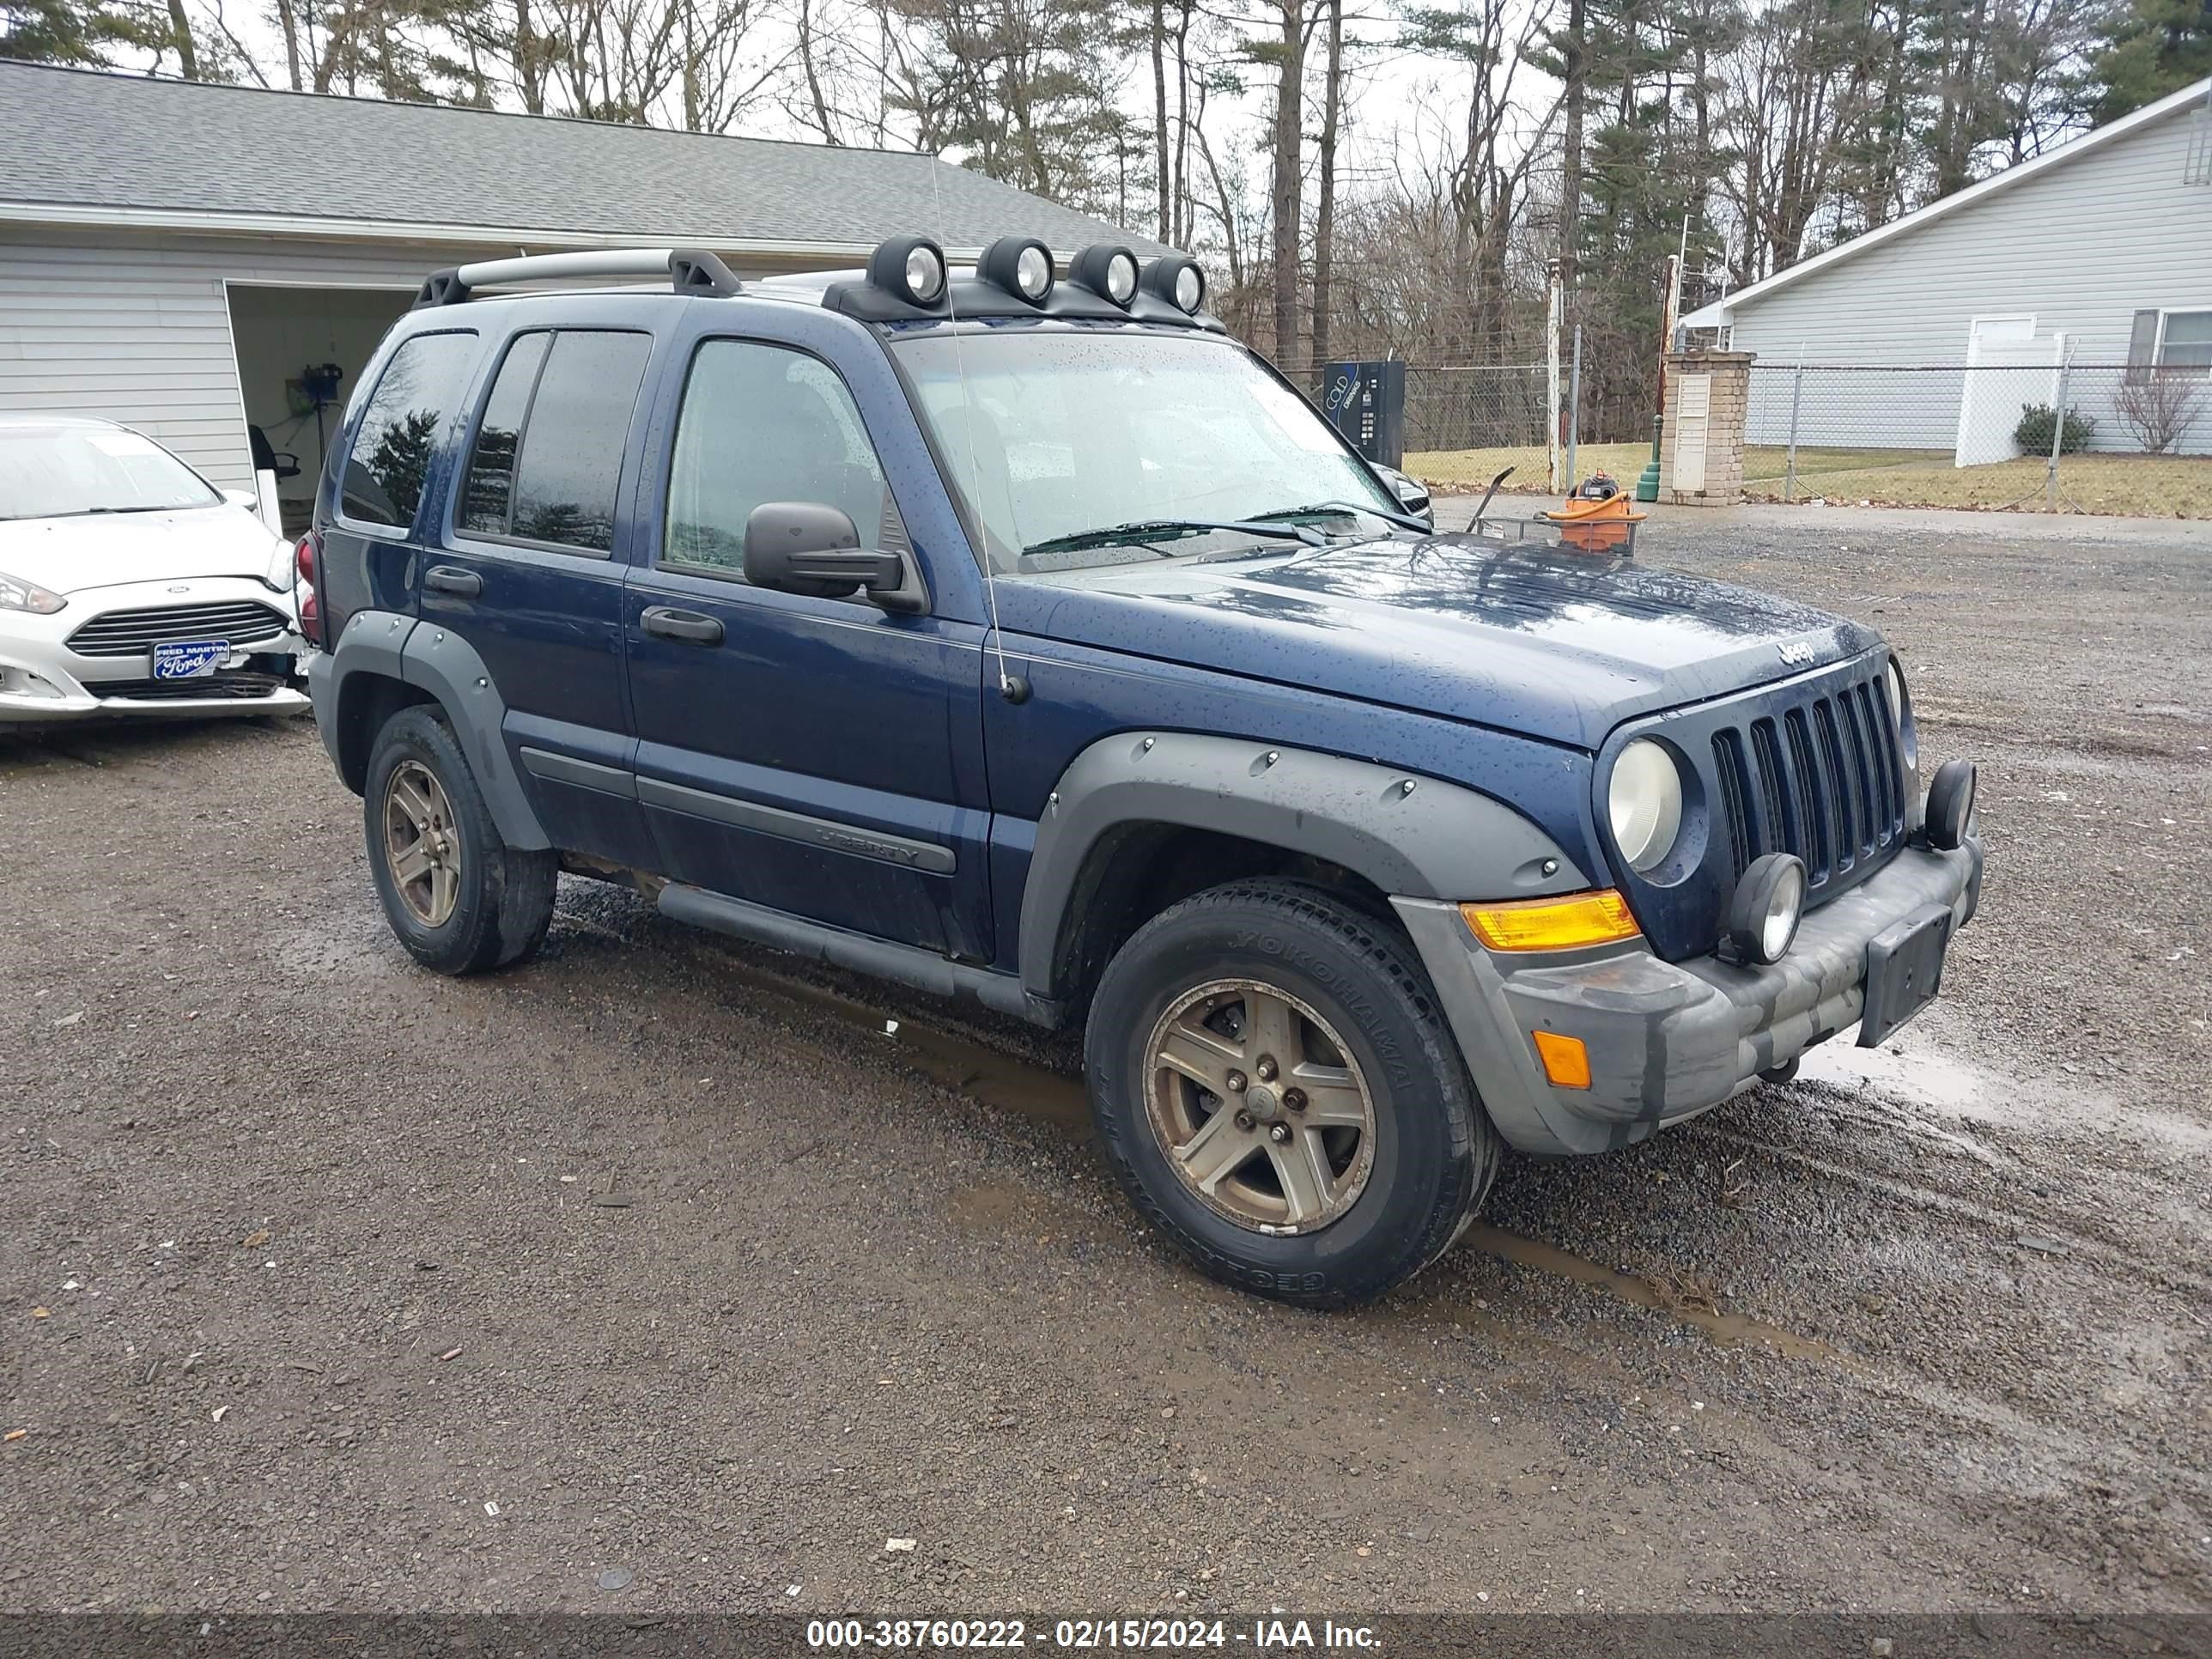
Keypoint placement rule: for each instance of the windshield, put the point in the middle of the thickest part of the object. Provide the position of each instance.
(60, 472)
(1054, 437)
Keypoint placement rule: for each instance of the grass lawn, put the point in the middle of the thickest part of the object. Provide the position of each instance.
(2144, 486)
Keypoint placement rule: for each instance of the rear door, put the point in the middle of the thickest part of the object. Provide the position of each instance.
(820, 756)
(529, 571)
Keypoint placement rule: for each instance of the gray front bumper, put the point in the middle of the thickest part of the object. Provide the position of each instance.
(1666, 1040)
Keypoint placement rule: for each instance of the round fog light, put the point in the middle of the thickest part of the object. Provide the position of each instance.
(1769, 902)
(1950, 804)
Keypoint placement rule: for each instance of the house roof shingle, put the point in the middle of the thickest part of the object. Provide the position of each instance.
(135, 146)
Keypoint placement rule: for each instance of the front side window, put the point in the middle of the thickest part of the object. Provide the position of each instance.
(65, 471)
(548, 454)
(1052, 437)
(764, 423)
(390, 461)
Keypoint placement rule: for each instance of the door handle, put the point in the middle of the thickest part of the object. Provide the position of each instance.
(686, 625)
(445, 579)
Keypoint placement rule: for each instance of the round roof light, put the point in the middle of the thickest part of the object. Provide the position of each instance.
(1108, 271)
(925, 274)
(1019, 265)
(1121, 279)
(912, 267)
(1176, 278)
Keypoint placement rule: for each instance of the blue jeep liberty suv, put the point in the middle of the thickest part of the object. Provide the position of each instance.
(1016, 635)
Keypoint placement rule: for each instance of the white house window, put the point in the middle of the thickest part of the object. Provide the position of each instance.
(2186, 343)
(2170, 342)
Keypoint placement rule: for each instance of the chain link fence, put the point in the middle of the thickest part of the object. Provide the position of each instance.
(2085, 437)
(2092, 437)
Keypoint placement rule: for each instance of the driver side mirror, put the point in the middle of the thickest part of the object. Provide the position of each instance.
(1412, 494)
(810, 547)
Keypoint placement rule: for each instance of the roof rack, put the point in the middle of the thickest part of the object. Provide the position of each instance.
(690, 270)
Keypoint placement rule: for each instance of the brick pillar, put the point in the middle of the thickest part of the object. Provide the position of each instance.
(1708, 402)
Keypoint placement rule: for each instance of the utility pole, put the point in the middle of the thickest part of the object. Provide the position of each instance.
(1553, 293)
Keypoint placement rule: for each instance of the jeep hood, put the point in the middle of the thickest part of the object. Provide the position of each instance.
(1550, 644)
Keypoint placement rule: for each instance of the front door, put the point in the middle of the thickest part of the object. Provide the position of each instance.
(528, 571)
(817, 755)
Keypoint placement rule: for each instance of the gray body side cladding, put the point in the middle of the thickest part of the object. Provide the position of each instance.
(1433, 840)
(443, 663)
(907, 964)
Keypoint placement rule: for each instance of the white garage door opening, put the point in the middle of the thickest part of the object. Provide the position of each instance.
(300, 354)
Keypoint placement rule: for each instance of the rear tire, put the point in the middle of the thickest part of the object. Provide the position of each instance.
(460, 898)
(1211, 1019)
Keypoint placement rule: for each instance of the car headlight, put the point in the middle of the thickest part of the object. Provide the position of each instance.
(1645, 803)
(16, 595)
(1900, 715)
(281, 568)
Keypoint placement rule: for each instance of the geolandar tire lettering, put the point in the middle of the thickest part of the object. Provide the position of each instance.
(460, 898)
(1277, 1092)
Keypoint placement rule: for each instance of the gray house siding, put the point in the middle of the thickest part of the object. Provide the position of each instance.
(137, 327)
(2081, 246)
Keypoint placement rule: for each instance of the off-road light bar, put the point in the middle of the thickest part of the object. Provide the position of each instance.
(1108, 271)
(1950, 804)
(912, 267)
(1019, 265)
(1176, 278)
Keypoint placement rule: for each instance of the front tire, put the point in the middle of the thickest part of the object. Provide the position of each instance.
(1277, 1092)
(460, 898)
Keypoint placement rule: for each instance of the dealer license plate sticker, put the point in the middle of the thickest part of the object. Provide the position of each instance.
(188, 659)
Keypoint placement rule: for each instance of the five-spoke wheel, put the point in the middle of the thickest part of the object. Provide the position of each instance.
(1260, 1108)
(422, 848)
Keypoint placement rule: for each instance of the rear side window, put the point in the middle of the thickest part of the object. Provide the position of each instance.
(385, 473)
(548, 452)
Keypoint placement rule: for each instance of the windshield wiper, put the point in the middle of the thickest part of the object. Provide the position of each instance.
(92, 512)
(1341, 509)
(1144, 530)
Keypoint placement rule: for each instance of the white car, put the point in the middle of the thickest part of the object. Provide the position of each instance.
(130, 585)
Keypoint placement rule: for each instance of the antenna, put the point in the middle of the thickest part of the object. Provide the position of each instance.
(1012, 687)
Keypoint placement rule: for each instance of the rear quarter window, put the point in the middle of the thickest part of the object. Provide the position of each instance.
(389, 464)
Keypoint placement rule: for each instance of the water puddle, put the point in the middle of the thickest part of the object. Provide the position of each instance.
(1688, 1306)
(1909, 1070)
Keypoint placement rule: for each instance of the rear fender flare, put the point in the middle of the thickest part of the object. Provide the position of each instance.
(443, 663)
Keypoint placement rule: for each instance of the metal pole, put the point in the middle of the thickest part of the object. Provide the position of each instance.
(1796, 397)
(2058, 431)
(1551, 382)
(1574, 405)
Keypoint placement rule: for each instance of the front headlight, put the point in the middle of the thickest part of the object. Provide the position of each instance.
(16, 595)
(1900, 715)
(1645, 804)
(282, 569)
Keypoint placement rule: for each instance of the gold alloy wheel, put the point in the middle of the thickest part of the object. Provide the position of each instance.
(422, 847)
(1259, 1107)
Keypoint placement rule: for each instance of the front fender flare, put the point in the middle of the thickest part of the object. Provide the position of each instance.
(1411, 835)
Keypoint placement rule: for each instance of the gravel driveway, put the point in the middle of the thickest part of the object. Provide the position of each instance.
(659, 1274)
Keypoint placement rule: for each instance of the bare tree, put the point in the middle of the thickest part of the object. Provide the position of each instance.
(2158, 407)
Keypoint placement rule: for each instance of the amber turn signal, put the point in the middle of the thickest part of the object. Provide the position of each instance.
(1553, 924)
(1566, 1062)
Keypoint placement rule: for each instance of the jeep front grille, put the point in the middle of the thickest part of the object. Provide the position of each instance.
(1819, 777)
(135, 633)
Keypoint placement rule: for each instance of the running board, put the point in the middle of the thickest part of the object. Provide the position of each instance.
(908, 965)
